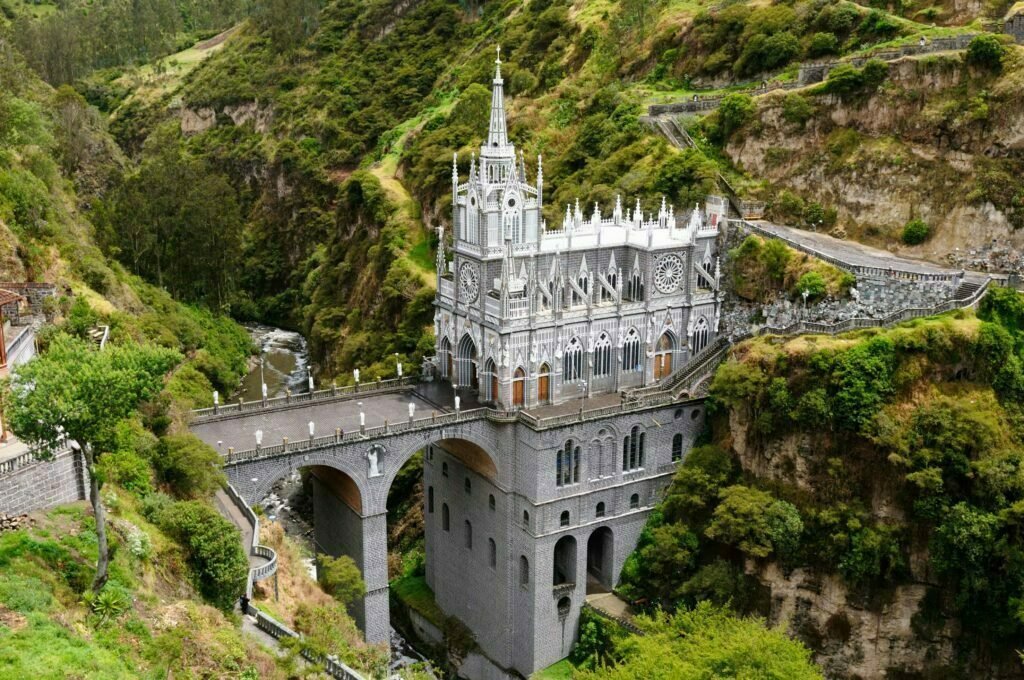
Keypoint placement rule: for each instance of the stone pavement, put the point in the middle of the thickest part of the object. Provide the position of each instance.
(231, 512)
(239, 432)
(852, 252)
(612, 605)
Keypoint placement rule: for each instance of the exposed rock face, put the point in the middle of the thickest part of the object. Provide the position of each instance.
(915, 148)
(198, 120)
(901, 632)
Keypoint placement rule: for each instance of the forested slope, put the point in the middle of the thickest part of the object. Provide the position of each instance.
(865, 491)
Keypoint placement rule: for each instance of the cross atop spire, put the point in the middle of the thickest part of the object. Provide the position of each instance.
(497, 134)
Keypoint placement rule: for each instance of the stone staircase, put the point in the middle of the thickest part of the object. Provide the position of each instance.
(966, 290)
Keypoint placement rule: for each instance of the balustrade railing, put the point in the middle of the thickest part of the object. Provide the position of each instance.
(329, 394)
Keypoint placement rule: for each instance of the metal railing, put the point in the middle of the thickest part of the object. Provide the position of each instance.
(278, 630)
(264, 621)
(327, 395)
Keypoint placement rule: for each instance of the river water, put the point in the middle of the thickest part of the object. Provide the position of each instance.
(284, 365)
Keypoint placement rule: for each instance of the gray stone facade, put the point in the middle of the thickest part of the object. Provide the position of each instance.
(529, 316)
(518, 625)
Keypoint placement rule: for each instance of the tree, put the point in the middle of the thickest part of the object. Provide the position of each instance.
(77, 393)
(340, 578)
(755, 522)
(189, 465)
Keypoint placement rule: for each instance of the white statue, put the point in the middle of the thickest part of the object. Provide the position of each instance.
(372, 458)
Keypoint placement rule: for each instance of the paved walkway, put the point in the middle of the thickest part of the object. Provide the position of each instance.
(12, 448)
(612, 605)
(240, 432)
(231, 512)
(852, 252)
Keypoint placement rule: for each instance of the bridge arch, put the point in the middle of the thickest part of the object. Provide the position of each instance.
(260, 488)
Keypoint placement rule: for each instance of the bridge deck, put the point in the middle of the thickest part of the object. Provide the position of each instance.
(240, 432)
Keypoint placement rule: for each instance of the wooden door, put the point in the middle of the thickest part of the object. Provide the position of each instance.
(543, 392)
(494, 387)
(666, 364)
(517, 392)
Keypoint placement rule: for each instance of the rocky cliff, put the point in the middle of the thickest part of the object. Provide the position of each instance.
(939, 140)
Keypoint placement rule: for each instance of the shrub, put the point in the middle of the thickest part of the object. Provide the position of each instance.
(915, 232)
(189, 466)
(797, 109)
(214, 549)
(127, 469)
(735, 111)
(822, 44)
(986, 52)
(341, 579)
(812, 284)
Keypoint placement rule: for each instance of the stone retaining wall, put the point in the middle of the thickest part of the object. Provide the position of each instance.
(44, 484)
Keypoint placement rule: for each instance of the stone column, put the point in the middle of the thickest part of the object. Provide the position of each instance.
(376, 616)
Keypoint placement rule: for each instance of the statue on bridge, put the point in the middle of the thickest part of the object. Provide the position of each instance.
(373, 459)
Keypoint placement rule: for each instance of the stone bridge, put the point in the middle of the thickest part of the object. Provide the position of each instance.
(369, 435)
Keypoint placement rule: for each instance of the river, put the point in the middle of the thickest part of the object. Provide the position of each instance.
(284, 365)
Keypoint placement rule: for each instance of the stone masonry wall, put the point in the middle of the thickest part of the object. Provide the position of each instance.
(44, 484)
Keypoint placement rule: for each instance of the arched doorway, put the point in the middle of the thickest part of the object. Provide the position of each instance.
(544, 384)
(599, 560)
(565, 561)
(466, 363)
(663, 355)
(518, 388)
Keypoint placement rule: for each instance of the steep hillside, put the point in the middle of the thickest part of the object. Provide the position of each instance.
(865, 490)
(937, 138)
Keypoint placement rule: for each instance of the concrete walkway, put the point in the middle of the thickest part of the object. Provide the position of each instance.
(231, 512)
(612, 605)
(852, 252)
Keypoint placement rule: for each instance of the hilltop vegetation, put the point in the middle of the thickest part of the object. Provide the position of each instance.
(882, 465)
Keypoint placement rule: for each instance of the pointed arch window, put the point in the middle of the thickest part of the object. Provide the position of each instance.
(602, 356)
(446, 358)
(677, 448)
(471, 230)
(633, 450)
(608, 294)
(632, 358)
(572, 361)
(701, 333)
(567, 464)
(635, 287)
(703, 283)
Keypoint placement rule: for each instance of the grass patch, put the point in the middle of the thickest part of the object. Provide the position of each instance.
(414, 592)
(561, 670)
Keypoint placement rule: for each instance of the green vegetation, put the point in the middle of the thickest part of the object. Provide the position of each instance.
(915, 232)
(414, 592)
(934, 404)
(340, 578)
(141, 624)
(850, 82)
(986, 52)
(706, 642)
(214, 550)
(761, 269)
(75, 391)
(80, 36)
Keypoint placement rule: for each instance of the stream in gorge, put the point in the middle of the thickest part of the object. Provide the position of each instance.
(284, 365)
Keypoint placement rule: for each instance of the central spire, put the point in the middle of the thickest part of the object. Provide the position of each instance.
(497, 135)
